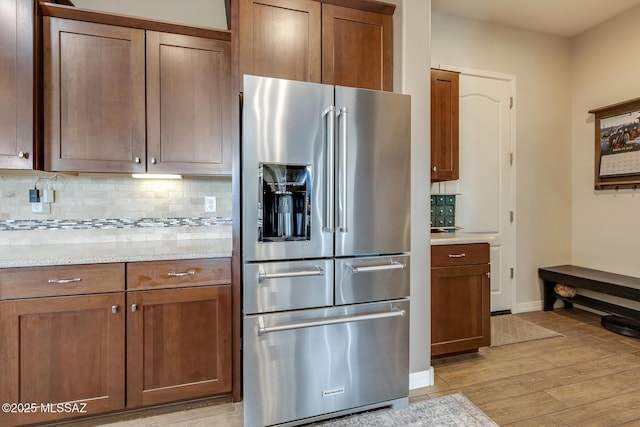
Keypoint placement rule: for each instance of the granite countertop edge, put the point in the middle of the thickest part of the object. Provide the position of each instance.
(462, 238)
(100, 253)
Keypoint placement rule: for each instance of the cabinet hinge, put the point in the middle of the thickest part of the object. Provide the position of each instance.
(510, 102)
(512, 274)
(510, 159)
(511, 215)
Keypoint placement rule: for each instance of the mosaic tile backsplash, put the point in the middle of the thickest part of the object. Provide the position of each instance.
(112, 209)
(443, 210)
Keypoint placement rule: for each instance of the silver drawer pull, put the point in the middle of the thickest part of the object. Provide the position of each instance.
(186, 273)
(63, 281)
(395, 265)
(395, 312)
(303, 273)
(457, 255)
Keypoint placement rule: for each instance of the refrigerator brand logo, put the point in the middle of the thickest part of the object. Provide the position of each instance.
(333, 391)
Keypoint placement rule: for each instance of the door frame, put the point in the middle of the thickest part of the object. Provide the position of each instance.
(511, 203)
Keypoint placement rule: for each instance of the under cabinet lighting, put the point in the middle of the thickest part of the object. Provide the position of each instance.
(155, 176)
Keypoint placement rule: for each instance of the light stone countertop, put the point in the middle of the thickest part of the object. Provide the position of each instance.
(90, 253)
(461, 237)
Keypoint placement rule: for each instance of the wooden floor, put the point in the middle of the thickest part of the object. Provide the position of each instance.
(587, 377)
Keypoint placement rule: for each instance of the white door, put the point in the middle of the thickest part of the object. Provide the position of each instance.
(486, 200)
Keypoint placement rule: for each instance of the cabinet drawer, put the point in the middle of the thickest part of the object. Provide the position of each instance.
(462, 254)
(179, 273)
(30, 282)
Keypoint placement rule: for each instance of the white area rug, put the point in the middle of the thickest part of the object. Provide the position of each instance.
(453, 410)
(509, 329)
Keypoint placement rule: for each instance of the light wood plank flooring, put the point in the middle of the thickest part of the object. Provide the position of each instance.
(587, 377)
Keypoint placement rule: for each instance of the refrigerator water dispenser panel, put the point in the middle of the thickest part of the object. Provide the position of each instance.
(284, 205)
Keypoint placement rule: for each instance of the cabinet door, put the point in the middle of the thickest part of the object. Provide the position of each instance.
(460, 309)
(65, 349)
(188, 104)
(280, 38)
(178, 344)
(357, 48)
(16, 84)
(444, 125)
(94, 93)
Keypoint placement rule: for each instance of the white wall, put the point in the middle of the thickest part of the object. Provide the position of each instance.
(411, 76)
(543, 141)
(605, 64)
(200, 13)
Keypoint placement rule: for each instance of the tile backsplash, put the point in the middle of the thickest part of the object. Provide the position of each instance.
(112, 209)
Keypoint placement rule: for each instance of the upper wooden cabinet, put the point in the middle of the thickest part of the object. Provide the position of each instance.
(123, 99)
(94, 97)
(357, 48)
(281, 38)
(444, 125)
(16, 85)
(315, 41)
(188, 104)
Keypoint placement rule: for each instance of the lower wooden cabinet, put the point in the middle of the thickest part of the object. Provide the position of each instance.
(63, 349)
(168, 339)
(460, 298)
(178, 344)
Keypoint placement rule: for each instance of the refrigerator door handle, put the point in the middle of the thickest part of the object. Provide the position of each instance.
(395, 265)
(262, 329)
(330, 140)
(342, 170)
(318, 271)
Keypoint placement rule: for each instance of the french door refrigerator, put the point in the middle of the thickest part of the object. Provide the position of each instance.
(325, 249)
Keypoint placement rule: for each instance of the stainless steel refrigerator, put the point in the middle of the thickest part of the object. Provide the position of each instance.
(325, 249)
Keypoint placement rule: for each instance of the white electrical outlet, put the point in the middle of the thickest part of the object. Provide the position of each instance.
(40, 207)
(210, 204)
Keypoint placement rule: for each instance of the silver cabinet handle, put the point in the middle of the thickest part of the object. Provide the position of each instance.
(329, 225)
(23, 154)
(435, 169)
(395, 265)
(358, 318)
(153, 160)
(63, 281)
(303, 273)
(457, 255)
(134, 308)
(137, 160)
(186, 273)
(342, 199)
(114, 309)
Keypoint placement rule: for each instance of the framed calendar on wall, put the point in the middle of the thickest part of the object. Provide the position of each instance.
(617, 145)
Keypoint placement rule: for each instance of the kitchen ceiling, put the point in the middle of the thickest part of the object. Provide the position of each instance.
(560, 17)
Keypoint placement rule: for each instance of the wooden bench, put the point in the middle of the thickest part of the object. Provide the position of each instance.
(595, 280)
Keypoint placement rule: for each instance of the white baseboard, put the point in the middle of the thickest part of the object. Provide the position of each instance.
(528, 306)
(421, 379)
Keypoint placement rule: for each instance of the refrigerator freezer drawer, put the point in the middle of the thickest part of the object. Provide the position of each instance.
(287, 285)
(371, 279)
(312, 362)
